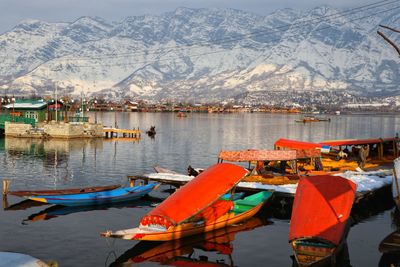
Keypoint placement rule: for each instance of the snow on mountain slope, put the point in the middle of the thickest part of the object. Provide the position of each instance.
(204, 54)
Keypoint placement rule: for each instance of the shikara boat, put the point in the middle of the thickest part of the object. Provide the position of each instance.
(97, 198)
(50, 192)
(306, 119)
(342, 155)
(197, 208)
(396, 182)
(275, 167)
(320, 218)
(174, 251)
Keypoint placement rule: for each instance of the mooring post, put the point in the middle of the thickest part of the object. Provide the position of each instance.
(6, 185)
(5, 202)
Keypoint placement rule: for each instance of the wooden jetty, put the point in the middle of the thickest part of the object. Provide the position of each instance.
(115, 133)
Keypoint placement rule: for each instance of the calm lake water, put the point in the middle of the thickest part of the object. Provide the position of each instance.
(71, 236)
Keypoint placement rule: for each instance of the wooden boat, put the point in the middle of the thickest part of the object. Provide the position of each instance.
(342, 155)
(51, 192)
(396, 182)
(172, 251)
(181, 115)
(307, 119)
(320, 218)
(97, 198)
(275, 167)
(197, 208)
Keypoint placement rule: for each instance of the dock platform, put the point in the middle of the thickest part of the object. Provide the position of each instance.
(115, 132)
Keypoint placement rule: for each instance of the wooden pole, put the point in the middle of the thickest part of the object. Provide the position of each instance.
(6, 185)
(5, 202)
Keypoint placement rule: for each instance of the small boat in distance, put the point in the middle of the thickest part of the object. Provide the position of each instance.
(320, 218)
(307, 119)
(181, 114)
(196, 207)
(97, 198)
(51, 192)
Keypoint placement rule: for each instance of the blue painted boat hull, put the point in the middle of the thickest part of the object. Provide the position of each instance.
(98, 198)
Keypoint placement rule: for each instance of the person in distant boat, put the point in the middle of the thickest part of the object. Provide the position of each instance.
(191, 171)
(363, 154)
(342, 154)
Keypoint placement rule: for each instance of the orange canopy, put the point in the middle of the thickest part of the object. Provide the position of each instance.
(257, 155)
(294, 144)
(195, 196)
(321, 208)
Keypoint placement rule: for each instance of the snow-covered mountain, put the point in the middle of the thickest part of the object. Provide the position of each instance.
(204, 54)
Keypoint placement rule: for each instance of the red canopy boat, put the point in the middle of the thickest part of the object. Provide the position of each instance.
(197, 207)
(319, 222)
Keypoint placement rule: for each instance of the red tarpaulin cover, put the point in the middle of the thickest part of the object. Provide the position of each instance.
(257, 155)
(296, 144)
(321, 208)
(196, 195)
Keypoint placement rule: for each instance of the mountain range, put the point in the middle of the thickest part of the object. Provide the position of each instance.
(204, 54)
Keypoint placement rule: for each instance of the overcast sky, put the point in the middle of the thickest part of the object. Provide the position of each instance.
(14, 11)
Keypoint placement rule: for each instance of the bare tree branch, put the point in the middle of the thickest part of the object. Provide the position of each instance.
(390, 42)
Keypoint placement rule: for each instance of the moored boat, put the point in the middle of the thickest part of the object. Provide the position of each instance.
(197, 208)
(320, 218)
(97, 198)
(306, 119)
(276, 167)
(51, 192)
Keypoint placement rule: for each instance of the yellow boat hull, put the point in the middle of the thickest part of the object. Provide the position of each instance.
(185, 229)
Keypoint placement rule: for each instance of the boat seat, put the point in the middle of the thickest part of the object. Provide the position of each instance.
(245, 202)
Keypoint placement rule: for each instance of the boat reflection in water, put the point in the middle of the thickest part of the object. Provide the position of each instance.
(180, 252)
(390, 245)
(341, 258)
(58, 210)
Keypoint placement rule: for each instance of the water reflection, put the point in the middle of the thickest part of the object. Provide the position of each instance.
(181, 251)
(22, 205)
(390, 245)
(59, 210)
(341, 258)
